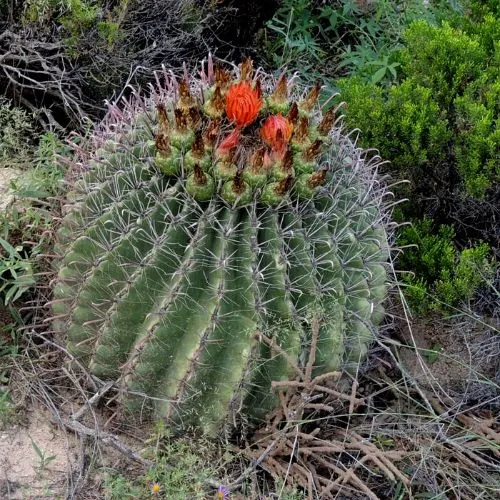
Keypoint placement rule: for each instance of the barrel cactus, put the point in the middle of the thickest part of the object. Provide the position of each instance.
(218, 211)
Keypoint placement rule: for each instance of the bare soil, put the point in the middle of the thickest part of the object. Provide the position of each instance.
(23, 473)
(458, 358)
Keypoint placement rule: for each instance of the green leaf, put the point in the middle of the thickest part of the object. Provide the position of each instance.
(378, 75)
(47, 460)
(392, 68)
(38, 451)
(8, 247)
(32, 193)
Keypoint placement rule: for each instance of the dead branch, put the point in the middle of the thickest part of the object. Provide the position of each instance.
(40, 73)
(288, 450)
(106, 438)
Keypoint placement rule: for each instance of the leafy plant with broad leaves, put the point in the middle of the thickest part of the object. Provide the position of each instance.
(353, 37)
(16, 272)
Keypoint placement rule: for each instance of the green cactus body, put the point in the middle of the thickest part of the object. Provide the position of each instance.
(255, 179)
(169, 279)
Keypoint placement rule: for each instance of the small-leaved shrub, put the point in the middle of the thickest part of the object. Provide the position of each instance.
(16, 129)
(463, 73)
(403, 122)
(443, 59)
(442, 274)
(477, 144)
(7, 408)
(445, 110)
(439, 127)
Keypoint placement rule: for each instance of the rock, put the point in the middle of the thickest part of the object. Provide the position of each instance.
(6, 196)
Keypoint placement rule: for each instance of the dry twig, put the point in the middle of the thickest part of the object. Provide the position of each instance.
(287, 449)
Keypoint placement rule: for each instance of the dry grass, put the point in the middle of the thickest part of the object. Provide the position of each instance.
(385, 437)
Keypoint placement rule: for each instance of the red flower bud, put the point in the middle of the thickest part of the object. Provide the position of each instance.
(276, 132)
(228, 143)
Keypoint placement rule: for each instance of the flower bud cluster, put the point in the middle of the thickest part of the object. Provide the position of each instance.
(234, 141)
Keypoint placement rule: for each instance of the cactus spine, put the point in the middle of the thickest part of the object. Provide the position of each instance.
(210, 215)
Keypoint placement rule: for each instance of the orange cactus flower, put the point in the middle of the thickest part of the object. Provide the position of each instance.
(243, 104)
(276, 132)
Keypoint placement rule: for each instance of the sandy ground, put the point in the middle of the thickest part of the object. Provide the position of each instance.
(22, 473)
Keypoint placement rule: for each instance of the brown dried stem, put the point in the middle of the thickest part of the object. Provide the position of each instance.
(300, 456)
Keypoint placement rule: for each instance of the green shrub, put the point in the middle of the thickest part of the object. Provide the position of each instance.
(442, 59)
(16, 129)
(38, 11)
(487, 29)
(478, 9)
(344, 36)
(463, 73)
(44, 178)
(7, 407)
(26, 227)
(110, 32)
(439, 127)
(80, 15)
(451, 91)
(471, 269)
(73, 15)
(477, 143)
(443, 275)
(404, 123)
(435, 251)
(16, 272)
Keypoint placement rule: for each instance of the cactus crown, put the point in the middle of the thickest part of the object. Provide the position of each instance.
(231, 141)
(234, 217)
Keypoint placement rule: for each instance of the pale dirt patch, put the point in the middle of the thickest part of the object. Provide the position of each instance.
(457, 358)
(21, 476)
